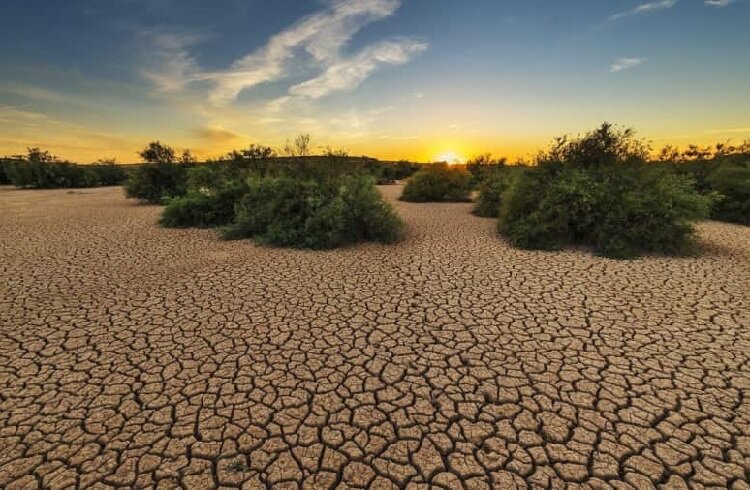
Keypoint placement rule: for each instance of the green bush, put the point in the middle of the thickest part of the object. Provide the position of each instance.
(5, 165)
(390, 173)
(438, 182)
(162, 177)
(314, 214)
(722, 171)
(157, 182)
(39, 169)
(733, 185)
(492, 186)
(205, 209)
(598, 191)
(108, 173)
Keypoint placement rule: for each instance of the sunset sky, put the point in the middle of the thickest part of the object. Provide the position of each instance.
(415, 79)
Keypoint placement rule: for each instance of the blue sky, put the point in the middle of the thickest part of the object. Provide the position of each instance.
(389, 78)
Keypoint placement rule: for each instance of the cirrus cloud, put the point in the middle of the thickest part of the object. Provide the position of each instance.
(643, 8)
(622, 64)
(349, 73)
(320, 37)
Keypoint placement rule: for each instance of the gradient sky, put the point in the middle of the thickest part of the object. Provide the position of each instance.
(392, 79)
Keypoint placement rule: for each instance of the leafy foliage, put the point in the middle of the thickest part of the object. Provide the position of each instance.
(598, 190)
(156, 152)
(484, 166)
(161, 177)
(314, 214)
(723, 170)
(493, 184)
(733, 185)
(5, 168)
(39, 169)
(109, 172)
(388, 173)
(438, 182)
(206, 208)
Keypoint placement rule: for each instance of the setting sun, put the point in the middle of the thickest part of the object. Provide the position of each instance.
(450, 157)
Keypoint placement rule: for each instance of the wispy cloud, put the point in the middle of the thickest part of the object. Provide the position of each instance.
(644, 8)
(320, 37)
(349, 73)
(730, 130)
(171, 67)
(215, 135)
(39, 94)
(718, 3)
(622, 64)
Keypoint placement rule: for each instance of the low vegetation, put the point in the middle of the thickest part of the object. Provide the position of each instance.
(39, 169)
(732, 183)
(314, 213)
(722, 171)
(492, 185)
(298, 202)
(438, 183)
(161, 177)
(600, 191)
(204, 208)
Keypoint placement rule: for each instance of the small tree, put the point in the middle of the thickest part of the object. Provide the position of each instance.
(187, 157)
(156, 152)
(300, 147)
(252, 153)
(161, 177)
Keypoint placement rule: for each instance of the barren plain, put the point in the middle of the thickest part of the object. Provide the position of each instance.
(133, 356)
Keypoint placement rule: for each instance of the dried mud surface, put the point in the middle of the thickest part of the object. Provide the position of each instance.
(136, 357)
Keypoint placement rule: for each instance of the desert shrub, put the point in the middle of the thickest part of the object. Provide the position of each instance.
(733, 185)
(598, 191)
(161, 177)
(722, 170)
(204, 208)
(391, 172)
(5, 165)
(108, 172)
(314, 214)
(39, 169)
(438, 182)
(492, 186)
(483, 167)
(156, 182)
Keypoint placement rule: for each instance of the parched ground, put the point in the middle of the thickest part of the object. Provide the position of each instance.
(135, 357)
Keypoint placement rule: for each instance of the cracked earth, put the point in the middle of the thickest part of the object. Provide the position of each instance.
(136, 357)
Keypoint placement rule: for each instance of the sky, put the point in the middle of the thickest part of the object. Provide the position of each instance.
(394, 79)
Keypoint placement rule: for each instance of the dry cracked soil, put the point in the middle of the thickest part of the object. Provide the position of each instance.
(136, 357)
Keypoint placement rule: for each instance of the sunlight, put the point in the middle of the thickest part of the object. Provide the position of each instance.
(450, 157)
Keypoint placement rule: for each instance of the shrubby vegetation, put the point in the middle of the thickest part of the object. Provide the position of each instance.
(5, 169)
(300, 202)
(600, 191)
(438, 183)
(484, 166)
(163, 176)
(204, 208)
(314, 213)
(732, 183)
(492, 183)
(722, 171)
(39, 169)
